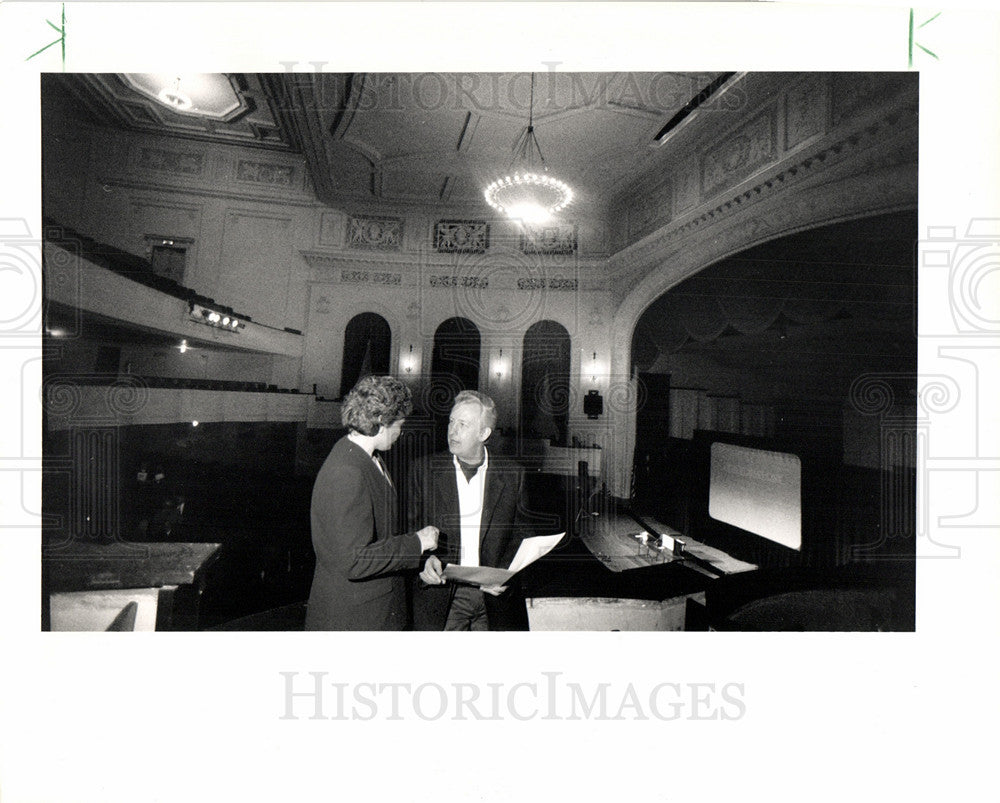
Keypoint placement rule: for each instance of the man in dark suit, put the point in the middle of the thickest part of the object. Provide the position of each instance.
(361, 562)
(474, 498)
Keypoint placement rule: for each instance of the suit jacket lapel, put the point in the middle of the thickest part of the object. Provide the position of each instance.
(447, 515)
(448, 487)
(495, 484)
(378, 489)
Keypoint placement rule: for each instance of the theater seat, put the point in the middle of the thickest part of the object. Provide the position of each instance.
(837, 609)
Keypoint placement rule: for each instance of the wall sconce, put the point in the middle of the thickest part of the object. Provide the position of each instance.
(593, 369)
(498, 366)
(409, 362)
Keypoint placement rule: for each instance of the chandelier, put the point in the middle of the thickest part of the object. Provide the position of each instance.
(173, 97)
(528, 193)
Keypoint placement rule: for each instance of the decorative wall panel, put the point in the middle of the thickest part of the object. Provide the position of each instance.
(370, 277)
(685, 189)
(557, 239)
(462, 236)
(191, 163)
(740, 154)
(805, 112)
(555, 283)
(478, 282)
(376, 233)
(265, 173)
(330, 232)
(852, 93)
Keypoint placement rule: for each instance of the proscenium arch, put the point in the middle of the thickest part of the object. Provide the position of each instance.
(706, 247)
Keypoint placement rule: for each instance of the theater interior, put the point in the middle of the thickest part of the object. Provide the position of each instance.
(705, 360)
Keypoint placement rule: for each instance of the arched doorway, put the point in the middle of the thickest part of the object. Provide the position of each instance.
(545, 385)
(367, 341)
(454, 367)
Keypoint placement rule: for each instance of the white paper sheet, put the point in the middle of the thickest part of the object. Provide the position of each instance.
(531, 549)
(477, 575)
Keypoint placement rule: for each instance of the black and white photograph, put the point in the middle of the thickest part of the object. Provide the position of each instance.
(681, 333)
(669, 370)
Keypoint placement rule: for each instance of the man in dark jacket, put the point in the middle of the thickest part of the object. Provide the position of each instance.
(361, 563)
(474, 498)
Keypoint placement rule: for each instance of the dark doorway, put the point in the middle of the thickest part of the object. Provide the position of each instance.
(367, 340)
(454, 367)
(545, 386)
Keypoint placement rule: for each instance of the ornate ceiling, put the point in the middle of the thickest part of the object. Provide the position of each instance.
(435, 139)
(114, 100)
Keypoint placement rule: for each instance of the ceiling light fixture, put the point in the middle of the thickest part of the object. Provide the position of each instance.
(173, 97)
(527, 192)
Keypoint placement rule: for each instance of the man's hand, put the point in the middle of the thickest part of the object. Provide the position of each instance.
(494, 591)
(432, 572)
(428, 538)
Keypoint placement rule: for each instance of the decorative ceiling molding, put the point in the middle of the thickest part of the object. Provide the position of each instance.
(273, 192)
(309, 107)
(631, 263)
(110, 100)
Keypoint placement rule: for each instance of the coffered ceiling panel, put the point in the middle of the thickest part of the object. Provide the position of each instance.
(412, 185)
(433, 138)
(242, 115)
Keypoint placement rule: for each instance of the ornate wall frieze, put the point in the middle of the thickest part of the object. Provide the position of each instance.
(265, 173)
(630, 264)
(557, 239)
(556, 283)
(462, 236)
(478, 282)
(190, 163)
(745, 150)
(805, 111)
(376, 233)
(370, 277)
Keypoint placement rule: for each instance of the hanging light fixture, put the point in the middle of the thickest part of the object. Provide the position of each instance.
(173, 97)
(527, 192)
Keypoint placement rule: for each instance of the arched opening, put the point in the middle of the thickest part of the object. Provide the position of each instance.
(367, 341)
(780, 343)
(454, 367)
(545, 382)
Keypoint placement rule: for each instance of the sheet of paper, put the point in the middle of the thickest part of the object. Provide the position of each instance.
(477, 575)
(532, 549)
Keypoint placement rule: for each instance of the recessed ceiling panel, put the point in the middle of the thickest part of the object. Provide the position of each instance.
(197, 94)
(412, 185)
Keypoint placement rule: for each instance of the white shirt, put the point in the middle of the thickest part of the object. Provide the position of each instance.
(470, 508)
